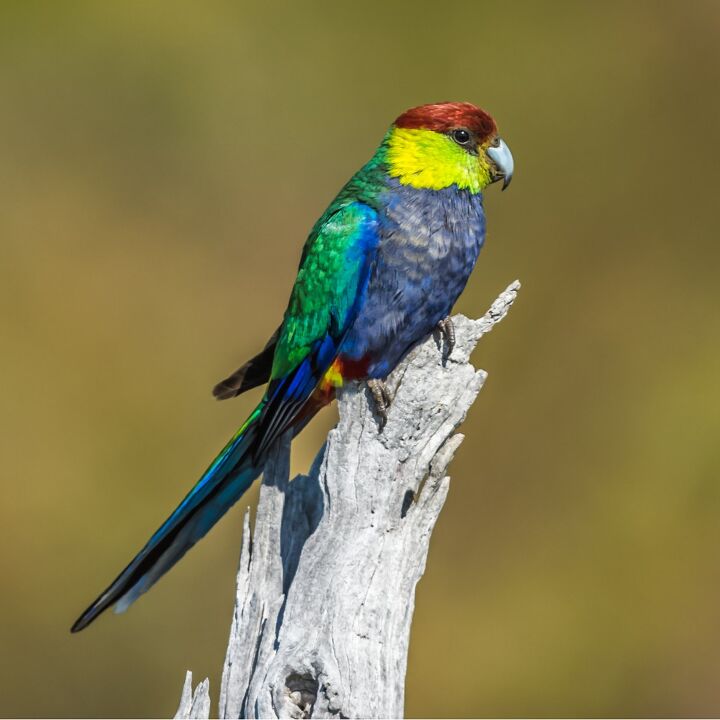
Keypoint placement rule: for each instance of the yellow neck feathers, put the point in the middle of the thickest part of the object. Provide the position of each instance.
(428, 160)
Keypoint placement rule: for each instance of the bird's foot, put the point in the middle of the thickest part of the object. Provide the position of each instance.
(447, 330)
(382, 400)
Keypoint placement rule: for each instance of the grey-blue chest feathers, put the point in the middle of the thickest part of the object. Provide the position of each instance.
(430, 240)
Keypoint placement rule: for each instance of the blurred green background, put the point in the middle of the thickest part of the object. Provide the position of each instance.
(160, 166)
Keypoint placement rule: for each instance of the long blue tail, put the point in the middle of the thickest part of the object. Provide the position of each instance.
(230, 475)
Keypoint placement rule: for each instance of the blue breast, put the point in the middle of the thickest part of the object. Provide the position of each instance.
(430, 241)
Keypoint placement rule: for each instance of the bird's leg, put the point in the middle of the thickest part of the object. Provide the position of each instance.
(447, 330)
(381, 396)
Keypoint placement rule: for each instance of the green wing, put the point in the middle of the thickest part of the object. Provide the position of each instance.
(325, 299)
(332, 275)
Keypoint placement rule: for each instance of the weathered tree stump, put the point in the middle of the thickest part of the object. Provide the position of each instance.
(326, 587)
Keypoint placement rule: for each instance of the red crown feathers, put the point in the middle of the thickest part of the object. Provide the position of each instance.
(443, 117)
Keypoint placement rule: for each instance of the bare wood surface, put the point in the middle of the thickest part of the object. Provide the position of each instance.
(326, 588)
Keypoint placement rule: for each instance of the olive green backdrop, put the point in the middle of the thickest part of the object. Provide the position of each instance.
(160, 166)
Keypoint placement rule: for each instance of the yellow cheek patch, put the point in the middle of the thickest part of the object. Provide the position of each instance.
(428, 160)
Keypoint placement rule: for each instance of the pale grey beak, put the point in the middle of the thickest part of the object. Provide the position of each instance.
(500, 155)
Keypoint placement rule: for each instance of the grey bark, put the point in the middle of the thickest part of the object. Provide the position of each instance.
(326, 587)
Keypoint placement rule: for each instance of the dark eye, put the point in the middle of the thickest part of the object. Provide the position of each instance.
(461, 136)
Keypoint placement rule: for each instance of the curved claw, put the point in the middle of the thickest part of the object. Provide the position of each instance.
(447, 329)
(382, 399)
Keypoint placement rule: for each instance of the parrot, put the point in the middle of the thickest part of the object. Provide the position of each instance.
(380, 271)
